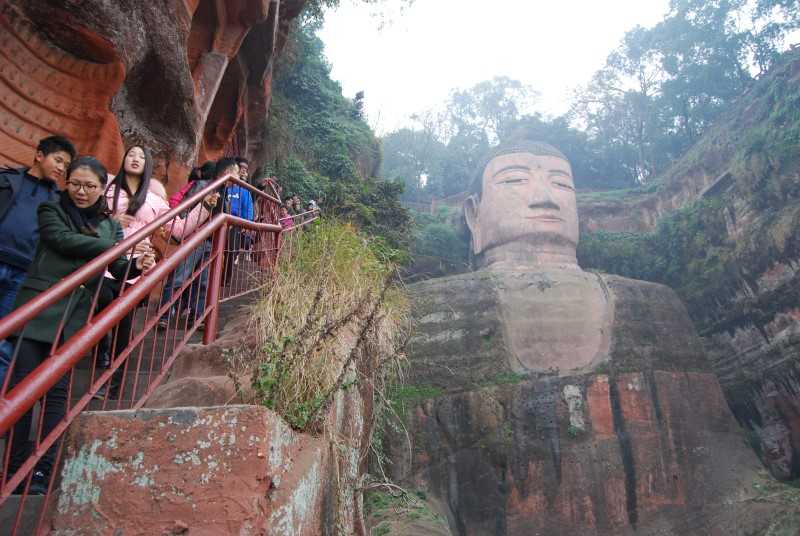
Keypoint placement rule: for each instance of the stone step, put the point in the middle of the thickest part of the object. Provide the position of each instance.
(30, 515)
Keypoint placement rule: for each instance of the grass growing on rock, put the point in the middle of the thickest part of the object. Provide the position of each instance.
(394, 511)
(330, 311)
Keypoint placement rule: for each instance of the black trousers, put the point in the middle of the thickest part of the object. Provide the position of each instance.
(120, 336)
(30, 355)
(233, 243)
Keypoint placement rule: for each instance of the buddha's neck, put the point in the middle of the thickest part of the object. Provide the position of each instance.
(519, 256)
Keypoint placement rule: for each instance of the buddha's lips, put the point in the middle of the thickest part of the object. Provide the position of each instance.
(545, 218)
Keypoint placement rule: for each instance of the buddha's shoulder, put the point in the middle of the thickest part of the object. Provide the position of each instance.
(461, 294)
(458, 281)
(626, 289)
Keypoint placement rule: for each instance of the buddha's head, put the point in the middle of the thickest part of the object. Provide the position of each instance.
(523, 205)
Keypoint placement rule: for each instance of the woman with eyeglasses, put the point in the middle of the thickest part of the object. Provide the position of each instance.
(72, 231)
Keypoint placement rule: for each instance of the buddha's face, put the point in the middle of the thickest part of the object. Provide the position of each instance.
(526, 198)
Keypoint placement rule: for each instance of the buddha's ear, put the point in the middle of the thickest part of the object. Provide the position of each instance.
(471, 206)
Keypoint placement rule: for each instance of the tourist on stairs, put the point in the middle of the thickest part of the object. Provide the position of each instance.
(240, 204)
(286, 220)
(195, 297)
(203, 173)
(21, 193)
(134, 205)
(72, 231)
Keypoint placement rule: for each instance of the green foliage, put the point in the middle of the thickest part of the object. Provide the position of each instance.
(664, 86)
(441, 235)
(402, 396)
(659, 91)
(573, 431)
(410, 155)
(397, 506)
(693, 249)
(329, 296)
(692, 252)
(687, 251)
(320, 148)
(508, 378)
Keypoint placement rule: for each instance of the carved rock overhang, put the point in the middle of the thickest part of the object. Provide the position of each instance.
(190, 79)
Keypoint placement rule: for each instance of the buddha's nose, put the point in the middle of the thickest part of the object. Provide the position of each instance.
(540, 196)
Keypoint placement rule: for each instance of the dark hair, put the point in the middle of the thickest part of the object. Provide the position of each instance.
(54, 144)
(194, 175)
(94, 166)
(242, 160)
(222, 165)
(135, 199)
(208, 170)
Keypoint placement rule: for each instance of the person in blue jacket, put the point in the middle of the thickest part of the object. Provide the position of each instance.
(239, 200)
(21, 192)
(239, 203)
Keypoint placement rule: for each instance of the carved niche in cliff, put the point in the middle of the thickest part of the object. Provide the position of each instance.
(189, 78)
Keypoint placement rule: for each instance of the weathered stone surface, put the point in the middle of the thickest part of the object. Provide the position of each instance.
(189, 79)
(470, 324)
(751, 324)
(638, 442)
(316, 492)
(223, 470)
(210, 390)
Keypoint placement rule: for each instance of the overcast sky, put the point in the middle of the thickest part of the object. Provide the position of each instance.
(413, 61)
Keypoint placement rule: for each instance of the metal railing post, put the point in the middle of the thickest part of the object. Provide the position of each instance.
(215, 278)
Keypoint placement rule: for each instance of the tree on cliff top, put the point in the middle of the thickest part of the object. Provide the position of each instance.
(320, 147)
(657, 93)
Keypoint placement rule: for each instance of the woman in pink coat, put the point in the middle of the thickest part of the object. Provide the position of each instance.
(134, 204)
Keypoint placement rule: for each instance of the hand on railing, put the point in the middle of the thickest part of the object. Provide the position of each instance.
(211, 200)
(146, 261)
(124, 219)
(142, 248)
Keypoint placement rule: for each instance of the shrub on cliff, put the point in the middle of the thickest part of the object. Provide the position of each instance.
(320, 147)
(331, 310)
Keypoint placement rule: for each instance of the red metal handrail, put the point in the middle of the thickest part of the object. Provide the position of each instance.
(256, 262)
(18, 318)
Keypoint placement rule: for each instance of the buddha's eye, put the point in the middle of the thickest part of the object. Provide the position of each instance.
(564, 185)
(514, 180)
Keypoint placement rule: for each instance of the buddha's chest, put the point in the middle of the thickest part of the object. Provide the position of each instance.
(554, 320)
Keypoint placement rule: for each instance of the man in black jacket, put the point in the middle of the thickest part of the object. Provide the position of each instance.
(21, 193)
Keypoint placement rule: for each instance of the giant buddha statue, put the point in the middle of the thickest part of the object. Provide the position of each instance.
(523, 218)
(552, 400)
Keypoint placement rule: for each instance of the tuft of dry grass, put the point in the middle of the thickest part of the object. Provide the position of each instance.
(331, 304)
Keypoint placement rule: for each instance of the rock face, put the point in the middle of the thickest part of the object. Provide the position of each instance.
(216, 470)
(222, 470)
(190, 79)
(710, 166)
(746, 169)
(640, 442)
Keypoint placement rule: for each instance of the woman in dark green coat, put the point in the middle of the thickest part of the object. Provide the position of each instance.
(72, 231)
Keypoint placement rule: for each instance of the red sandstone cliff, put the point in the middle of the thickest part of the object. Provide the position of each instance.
(188, 78)
(747, 166)
(642, 444)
